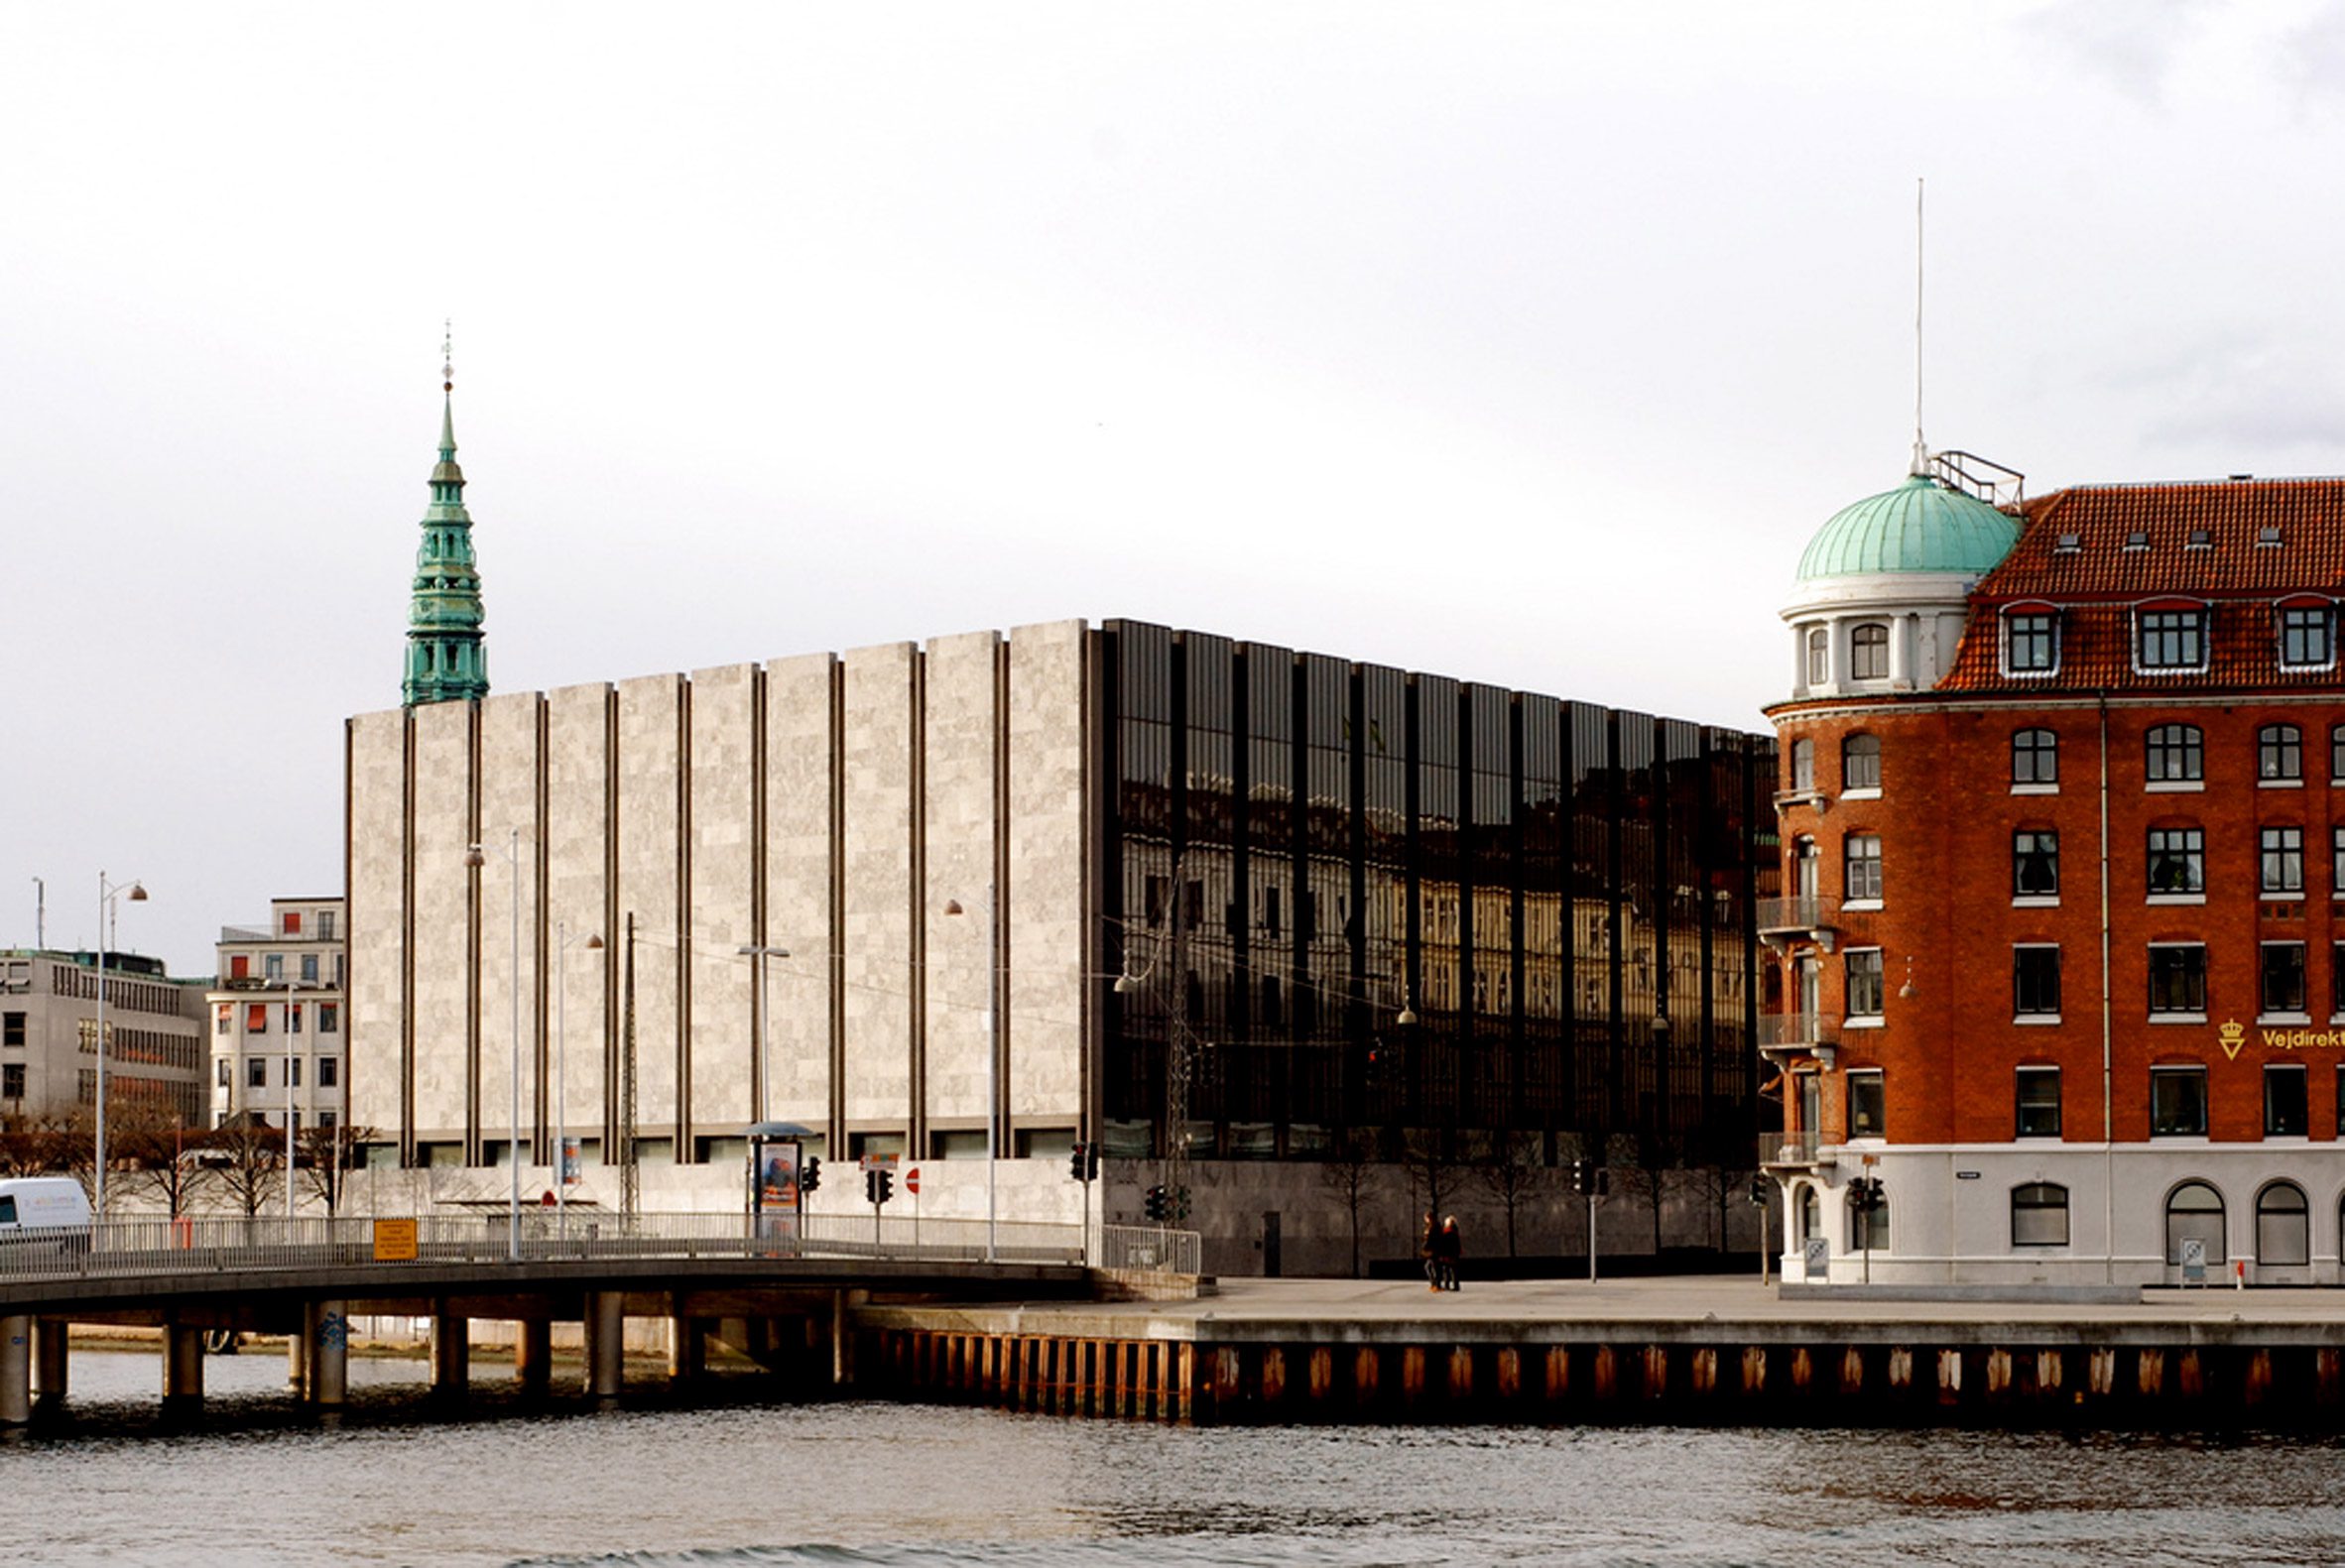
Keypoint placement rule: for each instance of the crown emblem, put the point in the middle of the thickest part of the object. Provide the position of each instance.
(2233, 1035)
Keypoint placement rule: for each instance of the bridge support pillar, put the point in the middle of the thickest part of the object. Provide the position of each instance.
(182, 1369)
(297, 1352)
(606, 1343)
(330, 1355)
(52, 1355)
(452, 1355)
(16, 1370)
(687, 1355)
(533, 1357)
(842, 1336)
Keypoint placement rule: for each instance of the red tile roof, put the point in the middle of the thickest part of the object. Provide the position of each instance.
(2097, 550)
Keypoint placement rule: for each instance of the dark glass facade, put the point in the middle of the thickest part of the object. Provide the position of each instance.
(1295, 852)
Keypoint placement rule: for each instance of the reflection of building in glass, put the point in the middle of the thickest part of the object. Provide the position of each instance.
(1298, 850)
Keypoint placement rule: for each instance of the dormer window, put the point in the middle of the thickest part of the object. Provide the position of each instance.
(2068, 545)
(2031, 643)
(2139, 538)
(1867, 651)
(2267, 537)
(2307, 637)
(2200, 539)
(2169, 639)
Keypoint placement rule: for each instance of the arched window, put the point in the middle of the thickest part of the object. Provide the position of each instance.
(2284, 1226)
(2279, 752)
(1867, 651)
(1803, 764)
(2034, 756)
(1806, 869)
(2175, 754)
(1819, 656)
(2040, 1214)
(1812, 1212)
(1860, 762)
(2194, 1213)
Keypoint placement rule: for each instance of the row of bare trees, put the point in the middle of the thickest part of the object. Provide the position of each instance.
(239, 1167)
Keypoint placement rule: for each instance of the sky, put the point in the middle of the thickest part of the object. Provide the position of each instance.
(1521, 343)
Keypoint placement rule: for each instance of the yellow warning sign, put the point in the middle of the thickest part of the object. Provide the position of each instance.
(395, 1240)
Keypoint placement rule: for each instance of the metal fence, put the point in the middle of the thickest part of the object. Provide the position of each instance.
(1152, 1250)
(116, 1249)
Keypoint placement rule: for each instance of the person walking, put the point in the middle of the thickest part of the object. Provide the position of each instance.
(1448, 1246)
(1429, 1247)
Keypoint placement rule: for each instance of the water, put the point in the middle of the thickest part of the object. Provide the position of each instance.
(855, 1484)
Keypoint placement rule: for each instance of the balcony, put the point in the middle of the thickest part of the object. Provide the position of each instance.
(1809, 795)
(1810, 916)
(1789, 1034)
(1799, 1151)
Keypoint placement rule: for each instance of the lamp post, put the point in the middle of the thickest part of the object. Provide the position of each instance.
(562, 1040)
(108, 891)
(992, 1051)
(476, 858)
(765, 1020)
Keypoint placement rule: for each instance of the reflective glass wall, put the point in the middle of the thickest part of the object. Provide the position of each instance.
(1361, 908)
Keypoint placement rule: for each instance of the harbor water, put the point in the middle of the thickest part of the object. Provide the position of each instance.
(740, 1480)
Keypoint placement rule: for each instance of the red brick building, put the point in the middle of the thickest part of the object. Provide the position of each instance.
(2064, 823)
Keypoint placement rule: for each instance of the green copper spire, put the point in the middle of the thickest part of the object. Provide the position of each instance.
(445, 662)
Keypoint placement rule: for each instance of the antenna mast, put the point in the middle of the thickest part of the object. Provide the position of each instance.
(1921, 447)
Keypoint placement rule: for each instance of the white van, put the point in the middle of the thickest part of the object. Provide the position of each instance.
(38, 1209)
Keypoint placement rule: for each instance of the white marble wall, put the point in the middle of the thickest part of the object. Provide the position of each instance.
(959, 807)
(798, 859)
(646, 817)
(1044, 908)
(442, 975)
(877, 860)
(723, 873)
(577, 751)
(377, 918)
(508, 822)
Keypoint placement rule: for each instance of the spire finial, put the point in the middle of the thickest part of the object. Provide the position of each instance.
(447, 354)
(1921, 447)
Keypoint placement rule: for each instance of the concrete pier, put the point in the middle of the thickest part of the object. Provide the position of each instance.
(16, 1370)
(182, 1369)
(51, 1363)
(330, 1355)
(533, 1357)
(606, 1343)
(452, 1355)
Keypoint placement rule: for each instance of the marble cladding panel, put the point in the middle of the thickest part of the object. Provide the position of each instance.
(959, 821)
(798, 870)
(377, 923)
(577, 835)
(1045, 901)
(649, 766)
(508, 822)
(878, 756)
(443, 959)
(723, 868)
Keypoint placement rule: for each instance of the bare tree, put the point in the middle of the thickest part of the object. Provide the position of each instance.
(1511, 1176)
(1650, 1156)
(1430, 1176)
(160, 1155)
(1351, 1175)
(323, 1156)
(35, 1146)
(248, 1158)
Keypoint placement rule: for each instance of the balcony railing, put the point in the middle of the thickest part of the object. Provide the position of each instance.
(1812, 911)
(1777, 1150)
(1800, 1031)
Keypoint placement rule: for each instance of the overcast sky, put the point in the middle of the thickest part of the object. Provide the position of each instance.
(1525, 344)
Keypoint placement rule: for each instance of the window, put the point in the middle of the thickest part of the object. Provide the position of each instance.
(2285, 1115)
(2034, 864)
(221, 1018)
(327, 1121)
(1867, 1228)
(2039, 1214)
(292, 1072)
(325, 925)
(2175, 754)
(1803, 764)
(2038, 1111)
(2337, 1005)
(1864, 983)
(2337, 755)
(12, 1028)
(2177, 861)
(2283, 1227)
(2177, 1102)
(2035, 757)
(330, 1072)
(1866, 1105)
(1819, 656)
(1862, 871)
(2279, 753)
(2282, 863)
(2282, 968)
(1868, 652)
(2031, 643)
(256, 1018)
(2306, 638)
(2035, 982)
(293, 1019)
(310, 968)
(12, 1081)
(2178, 980)
(276, 966)
(293, 922)
(256, 1072)
(330, 1018)
(225, 1074)
(2170, 640)
(2194, 1213)
(1860, 762)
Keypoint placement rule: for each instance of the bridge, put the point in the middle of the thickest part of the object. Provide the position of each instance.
(779, 1289)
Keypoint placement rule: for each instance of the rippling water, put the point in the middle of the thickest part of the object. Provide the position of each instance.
(887, 1485)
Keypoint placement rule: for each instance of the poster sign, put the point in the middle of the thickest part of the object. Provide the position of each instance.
(2193, 1260)
(573, 1166)
(775, 1183)
(1818, 1259)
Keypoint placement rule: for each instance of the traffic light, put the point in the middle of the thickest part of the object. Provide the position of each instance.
(1762, 1191)
(1177, 1208)
(1077, 1162)
(1579, 1179)
(811, 1175)
(887, 1185)
(1866, 1193)
(1154, 1205)
(1090, 1161)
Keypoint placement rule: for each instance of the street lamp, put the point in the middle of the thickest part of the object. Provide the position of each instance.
(561, 1135)
(108, 891)
(476, 858)
(765, 1055)
(992, 1051)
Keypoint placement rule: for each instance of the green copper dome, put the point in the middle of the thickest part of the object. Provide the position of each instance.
(1920, 526)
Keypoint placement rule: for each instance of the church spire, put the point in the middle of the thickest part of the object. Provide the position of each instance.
(445, 661)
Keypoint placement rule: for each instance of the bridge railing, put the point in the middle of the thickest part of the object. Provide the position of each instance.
(1150, 1248)
(120, 1248)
